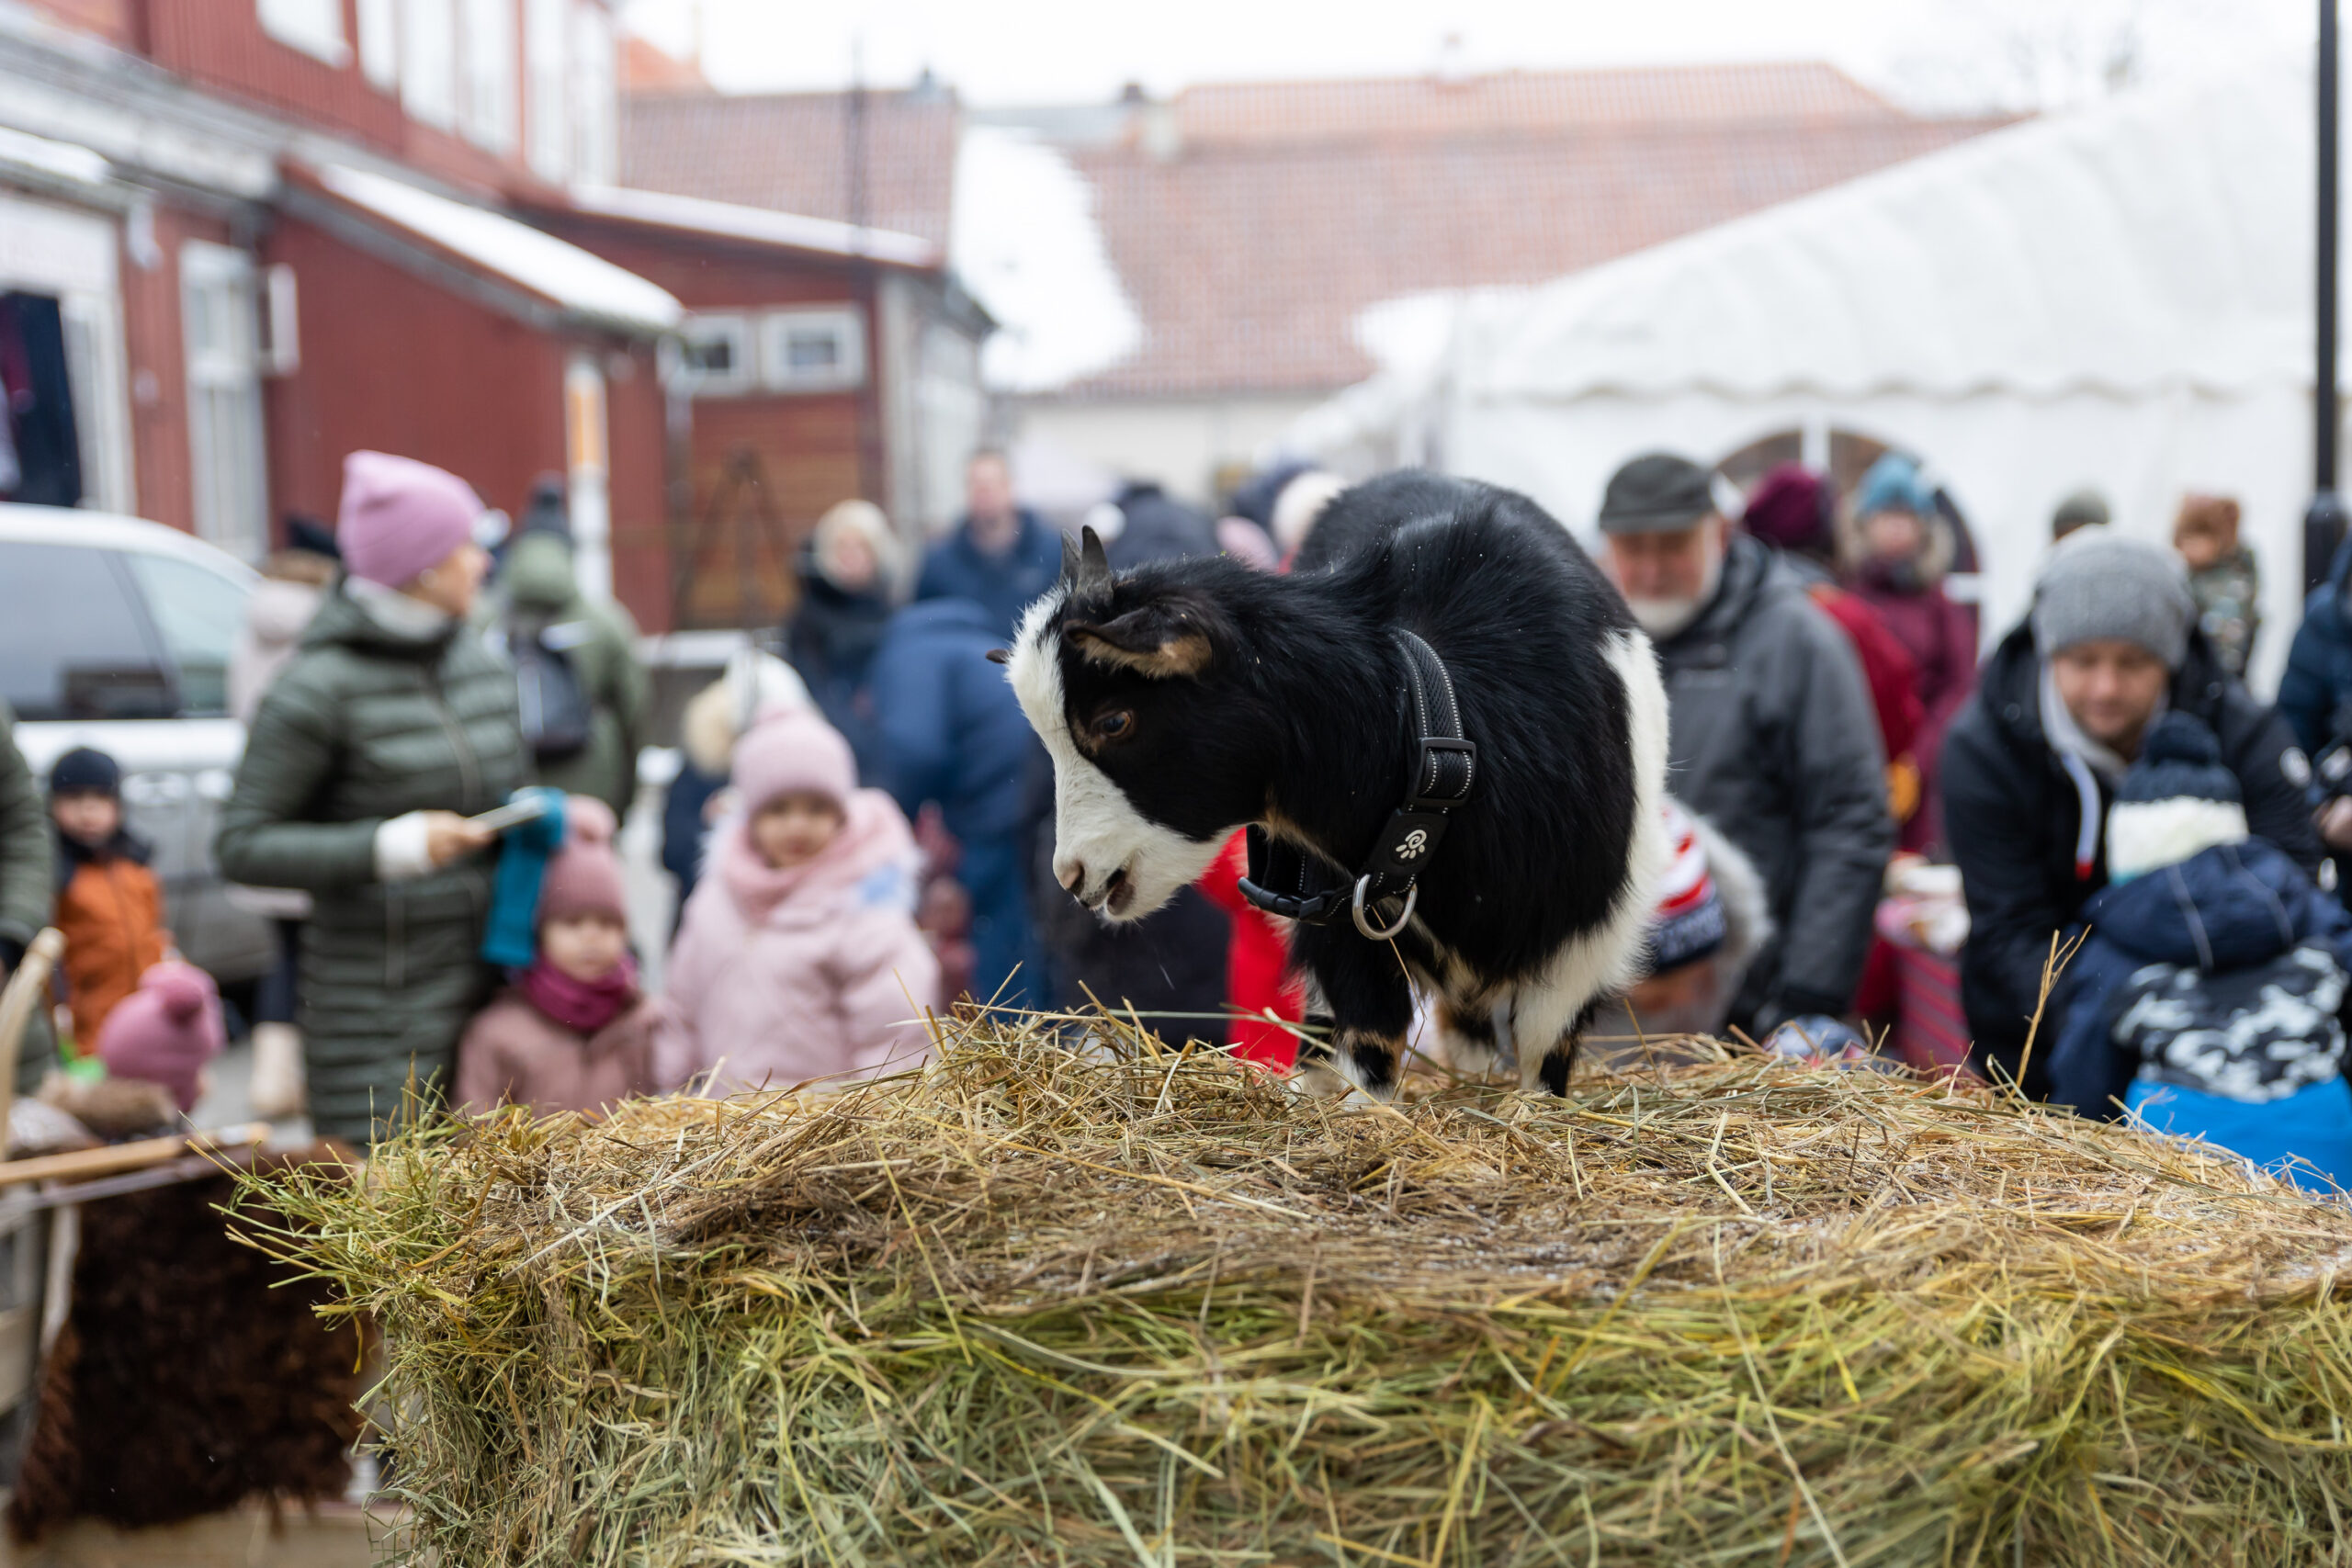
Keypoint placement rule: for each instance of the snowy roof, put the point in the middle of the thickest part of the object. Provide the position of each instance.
(1028, 247)
(759, 224)
(583, 284)
(65, 160)
(2162, 240)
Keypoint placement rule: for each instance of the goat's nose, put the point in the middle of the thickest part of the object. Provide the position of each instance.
(1073, 878)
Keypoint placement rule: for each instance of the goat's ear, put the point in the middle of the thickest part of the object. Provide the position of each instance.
(999, 656)
(1164, 639)
(1093, 565)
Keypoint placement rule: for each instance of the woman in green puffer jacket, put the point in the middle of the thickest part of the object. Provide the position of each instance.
(391, 725)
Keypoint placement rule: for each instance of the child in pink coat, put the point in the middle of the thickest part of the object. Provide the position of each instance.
(573, 1031)
(798, 958)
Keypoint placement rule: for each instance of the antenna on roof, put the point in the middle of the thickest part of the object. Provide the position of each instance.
(1453, 66)
(854, 141)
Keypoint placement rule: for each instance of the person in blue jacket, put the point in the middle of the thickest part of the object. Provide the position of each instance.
(1001, 556)
(2206, 998)
(950, 731)
(2318, 681)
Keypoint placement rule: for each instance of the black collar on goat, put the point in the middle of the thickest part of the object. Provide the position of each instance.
(1286, 881)
(1185, 699)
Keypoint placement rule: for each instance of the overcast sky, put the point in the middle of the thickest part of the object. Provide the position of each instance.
(1937, 54)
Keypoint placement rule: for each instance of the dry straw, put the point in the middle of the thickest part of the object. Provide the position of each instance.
(1129, 1306)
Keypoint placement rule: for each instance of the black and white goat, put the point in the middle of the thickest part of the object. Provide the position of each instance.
(1183, 700)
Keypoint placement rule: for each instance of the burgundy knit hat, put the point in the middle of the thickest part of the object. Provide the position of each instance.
(584, 876)
(1790, 509)
(165, 1031)
(401, 516)
(792, 751)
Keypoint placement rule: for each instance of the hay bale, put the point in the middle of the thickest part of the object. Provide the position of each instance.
(1141, 1307)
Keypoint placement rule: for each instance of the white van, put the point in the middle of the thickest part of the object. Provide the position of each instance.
(116, 633)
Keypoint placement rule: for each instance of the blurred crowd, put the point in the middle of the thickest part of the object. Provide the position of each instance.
(2090, 863)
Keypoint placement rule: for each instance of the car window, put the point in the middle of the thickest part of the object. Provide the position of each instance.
(72, 643)
(198, 613)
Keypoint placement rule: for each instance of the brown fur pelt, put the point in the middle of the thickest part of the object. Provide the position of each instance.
(113, 1108)
(185, 1381)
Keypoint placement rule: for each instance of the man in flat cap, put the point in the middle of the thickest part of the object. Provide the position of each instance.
(1774, 740)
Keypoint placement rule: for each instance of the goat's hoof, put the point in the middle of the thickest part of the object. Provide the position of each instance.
(1314, 1080)
(1470, 1058)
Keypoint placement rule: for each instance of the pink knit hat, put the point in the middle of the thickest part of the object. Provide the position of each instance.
(165, 1031)
(584, 876)
(792, 750)
(401, 517)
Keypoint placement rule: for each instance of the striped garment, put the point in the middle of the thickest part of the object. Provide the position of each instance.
(1688, 924)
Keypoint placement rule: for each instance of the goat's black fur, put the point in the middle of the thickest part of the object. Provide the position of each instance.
(1299, 717)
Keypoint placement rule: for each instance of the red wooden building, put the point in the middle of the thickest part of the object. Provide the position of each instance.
(264, 232)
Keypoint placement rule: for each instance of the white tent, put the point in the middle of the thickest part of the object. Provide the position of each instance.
(2118, 298)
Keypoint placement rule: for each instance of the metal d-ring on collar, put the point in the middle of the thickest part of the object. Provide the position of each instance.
(1445, 766)
(1355, 908)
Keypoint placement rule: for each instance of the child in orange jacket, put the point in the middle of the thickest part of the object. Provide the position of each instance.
(110, 904)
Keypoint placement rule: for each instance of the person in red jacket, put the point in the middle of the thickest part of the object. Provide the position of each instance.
(1256, 959)
(1903, 548)
(1794, 510)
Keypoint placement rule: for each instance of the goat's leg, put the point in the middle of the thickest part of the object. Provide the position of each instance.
(1470, 1035)
(1364, 1004)
(1559, 1059)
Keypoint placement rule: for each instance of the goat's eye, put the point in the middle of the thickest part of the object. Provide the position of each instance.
(1114, 724)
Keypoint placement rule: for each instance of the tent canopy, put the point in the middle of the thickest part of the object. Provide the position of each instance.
(2120, 297)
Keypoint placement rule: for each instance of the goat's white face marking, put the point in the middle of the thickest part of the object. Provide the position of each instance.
(1098, 833)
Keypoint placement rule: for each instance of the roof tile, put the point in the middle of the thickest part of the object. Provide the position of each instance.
(1250, 249)
(1518, 101)
(789, 152)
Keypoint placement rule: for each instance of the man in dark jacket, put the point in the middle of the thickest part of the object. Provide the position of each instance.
(950, 731)
(2318, 681)
(1155, 525)
(2031, 763)
(1000, 556)
(1773, 736)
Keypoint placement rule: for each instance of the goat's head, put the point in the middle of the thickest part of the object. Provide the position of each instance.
(1129, 682)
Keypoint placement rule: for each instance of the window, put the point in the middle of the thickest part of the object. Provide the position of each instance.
(73, 644)
(197, 614)
(713, 354)
(814, 351)
(314, 26)
(545, 52)
(489, 73)
(379, 43)
(282, 315)
(223, 346)
(429, 61)
(594, 150)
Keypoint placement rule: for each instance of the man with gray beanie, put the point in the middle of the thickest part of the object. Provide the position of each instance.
(2032, 764)
(1771, 735)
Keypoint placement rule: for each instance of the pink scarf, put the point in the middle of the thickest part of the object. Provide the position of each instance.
(582, 1006)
